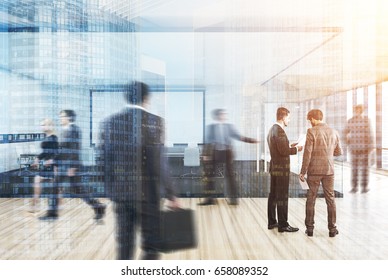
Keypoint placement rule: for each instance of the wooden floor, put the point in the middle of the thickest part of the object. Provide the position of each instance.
(225, 232)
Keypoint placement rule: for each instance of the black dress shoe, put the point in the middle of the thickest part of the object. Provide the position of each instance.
(49, 216)
(209, 201)
(150, 256)
(273, 226)
(99, 211)
(232, 202)
(333, 233)
(287, 229)
(309, 233)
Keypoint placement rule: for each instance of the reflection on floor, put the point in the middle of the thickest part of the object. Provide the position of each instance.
(224, 231)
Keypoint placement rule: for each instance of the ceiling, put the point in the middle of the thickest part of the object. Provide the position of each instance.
(301, 48)
(297, 49)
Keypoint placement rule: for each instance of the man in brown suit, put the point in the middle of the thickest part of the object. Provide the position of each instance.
(359, 138)
(322, 143)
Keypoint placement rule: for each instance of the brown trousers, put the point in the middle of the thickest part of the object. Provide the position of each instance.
(360, 169)
(314, 182)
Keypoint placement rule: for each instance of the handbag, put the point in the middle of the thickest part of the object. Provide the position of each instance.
(177, 230)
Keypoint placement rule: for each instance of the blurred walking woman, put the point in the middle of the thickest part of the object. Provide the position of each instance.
(45, 160)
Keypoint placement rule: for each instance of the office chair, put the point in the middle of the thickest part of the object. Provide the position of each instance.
(191, 158)
(25, 161)
(219, 172)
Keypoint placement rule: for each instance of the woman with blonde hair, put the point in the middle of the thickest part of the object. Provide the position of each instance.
(45, 161)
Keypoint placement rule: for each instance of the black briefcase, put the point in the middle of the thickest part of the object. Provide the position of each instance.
(177, 230)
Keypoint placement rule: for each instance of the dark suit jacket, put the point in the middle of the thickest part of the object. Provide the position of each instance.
(49, 147)
(279, 148)
(131, 156)
(69, 154)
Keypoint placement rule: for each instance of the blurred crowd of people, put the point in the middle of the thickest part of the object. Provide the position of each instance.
(135, 172)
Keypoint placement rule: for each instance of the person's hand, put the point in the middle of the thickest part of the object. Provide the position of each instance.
(206, 158)
(301, 177)
(35, 164)
(71, 172)
(173, 204)
(300, 148)
(48, 162)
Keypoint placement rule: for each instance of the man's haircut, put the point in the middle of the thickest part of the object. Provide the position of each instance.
(70, 114)
(359, 108)
(136, 92)
(316, 114)
(217, 112)
(281, 113)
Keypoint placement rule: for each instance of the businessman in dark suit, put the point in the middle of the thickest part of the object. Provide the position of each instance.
(131, 160)
(219, 150)
(322, 144)
(280, 151)
(68, 163)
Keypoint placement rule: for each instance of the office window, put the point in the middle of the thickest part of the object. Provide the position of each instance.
(349, 104)
(360, 96)
(58, 61)
(384, 125)
(183, 114)
(372, 106)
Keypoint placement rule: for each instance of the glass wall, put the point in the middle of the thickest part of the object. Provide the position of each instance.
(60, 60)
(384, 124)
(52, 55)
(79, 54)
(367, 96)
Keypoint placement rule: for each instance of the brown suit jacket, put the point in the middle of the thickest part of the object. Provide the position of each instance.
(358, 135)
(322, 144)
